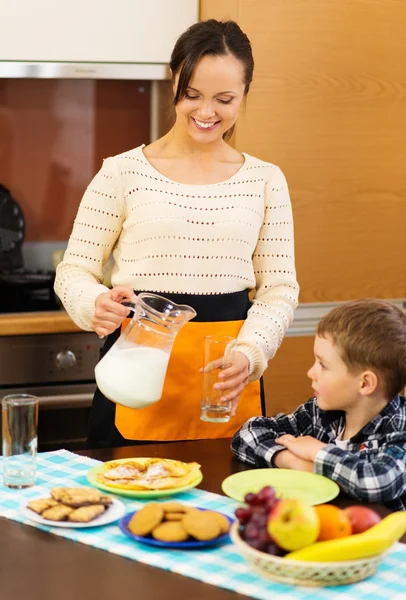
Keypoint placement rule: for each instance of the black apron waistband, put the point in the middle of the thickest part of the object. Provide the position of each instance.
(214, 307)
(209, 309)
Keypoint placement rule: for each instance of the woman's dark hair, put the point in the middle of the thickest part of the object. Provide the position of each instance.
(210, 38)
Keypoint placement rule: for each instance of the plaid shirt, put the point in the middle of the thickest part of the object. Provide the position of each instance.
(371, 469)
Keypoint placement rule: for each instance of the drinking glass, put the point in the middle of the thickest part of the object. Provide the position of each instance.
(20, 422)
(219, 352)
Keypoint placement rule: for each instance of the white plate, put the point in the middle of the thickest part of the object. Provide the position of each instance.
(114, 512)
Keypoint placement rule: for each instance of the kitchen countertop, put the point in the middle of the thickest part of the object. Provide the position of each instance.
(57, 321)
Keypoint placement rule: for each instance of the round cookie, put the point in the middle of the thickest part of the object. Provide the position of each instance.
(170, 531)
(201, 525)
(174, 507)
(146, 519)
(221, 520)
(174, 516)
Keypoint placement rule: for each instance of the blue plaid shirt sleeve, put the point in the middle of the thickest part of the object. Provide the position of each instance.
(255, 442)
(369, 477)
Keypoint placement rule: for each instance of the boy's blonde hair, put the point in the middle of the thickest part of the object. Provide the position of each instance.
(370, 334)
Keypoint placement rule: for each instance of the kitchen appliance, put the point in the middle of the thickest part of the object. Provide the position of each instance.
(59, 369)
(22, 290)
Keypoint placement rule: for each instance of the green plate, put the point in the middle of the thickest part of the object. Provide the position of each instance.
(309, 487)
(92, 474)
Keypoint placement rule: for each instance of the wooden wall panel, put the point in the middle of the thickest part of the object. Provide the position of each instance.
(286, 382)
(328, 104)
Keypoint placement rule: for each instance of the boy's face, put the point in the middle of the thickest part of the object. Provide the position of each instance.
(335, 388)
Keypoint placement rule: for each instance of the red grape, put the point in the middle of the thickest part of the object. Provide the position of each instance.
(256, 544)
(251, 531)
(266, 495)
(253, 520)
(250, 498)
(259, 519)
(243, 514)
(272, 548)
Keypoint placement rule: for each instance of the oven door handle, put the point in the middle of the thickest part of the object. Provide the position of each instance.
(65, 401)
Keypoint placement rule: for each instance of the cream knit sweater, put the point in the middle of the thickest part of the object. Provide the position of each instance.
(199, 239)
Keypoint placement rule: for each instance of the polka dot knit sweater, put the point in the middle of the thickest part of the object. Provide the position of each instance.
(199, 239)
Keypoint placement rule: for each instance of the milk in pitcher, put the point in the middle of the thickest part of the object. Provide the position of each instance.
(133, 377)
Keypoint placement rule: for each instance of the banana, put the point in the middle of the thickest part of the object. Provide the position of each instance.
(374, 541)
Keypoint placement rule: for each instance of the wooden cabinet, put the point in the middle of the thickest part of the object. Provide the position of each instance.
(285, 381)
(327, 105)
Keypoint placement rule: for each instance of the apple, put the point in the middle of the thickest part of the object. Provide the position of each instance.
(362, 518)
(293, 524)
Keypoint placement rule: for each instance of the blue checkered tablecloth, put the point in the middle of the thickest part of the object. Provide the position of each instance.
(222, 566)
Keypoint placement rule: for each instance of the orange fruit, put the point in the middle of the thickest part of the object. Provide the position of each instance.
(334, 522)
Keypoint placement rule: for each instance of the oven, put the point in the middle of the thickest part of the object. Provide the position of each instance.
(59, 369)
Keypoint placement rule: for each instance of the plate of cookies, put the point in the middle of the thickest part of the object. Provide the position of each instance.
(176, 525)
(145, 477)
(73, 507)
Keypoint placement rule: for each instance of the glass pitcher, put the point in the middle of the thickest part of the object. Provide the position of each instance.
(132, 372)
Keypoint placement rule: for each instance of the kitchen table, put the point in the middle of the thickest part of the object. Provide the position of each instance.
(36, 565)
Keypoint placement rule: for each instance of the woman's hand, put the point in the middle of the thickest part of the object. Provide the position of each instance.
(109, 312)
(233, 380)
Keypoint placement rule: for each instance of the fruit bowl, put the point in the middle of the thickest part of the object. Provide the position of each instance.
(305, 573)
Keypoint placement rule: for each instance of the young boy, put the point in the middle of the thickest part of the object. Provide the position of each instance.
(353, 430)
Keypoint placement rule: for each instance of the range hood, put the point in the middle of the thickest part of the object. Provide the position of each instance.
(91, 39)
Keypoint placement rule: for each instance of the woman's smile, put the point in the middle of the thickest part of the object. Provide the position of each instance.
(204, 125)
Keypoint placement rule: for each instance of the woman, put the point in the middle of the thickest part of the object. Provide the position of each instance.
(190, 218)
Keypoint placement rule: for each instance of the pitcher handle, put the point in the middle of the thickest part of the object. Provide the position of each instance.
(131, 305)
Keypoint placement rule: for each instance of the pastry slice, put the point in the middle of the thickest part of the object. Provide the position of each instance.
(84, 514)
(38, 506)
(59, 512)
(80, 496)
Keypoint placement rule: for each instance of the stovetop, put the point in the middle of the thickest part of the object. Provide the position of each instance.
(26, 276)
(25, 290)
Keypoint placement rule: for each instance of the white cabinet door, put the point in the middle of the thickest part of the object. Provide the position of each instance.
(106, 31)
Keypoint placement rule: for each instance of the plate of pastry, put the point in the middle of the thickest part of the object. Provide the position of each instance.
(177, 526)
(76, 507)
(145, 477)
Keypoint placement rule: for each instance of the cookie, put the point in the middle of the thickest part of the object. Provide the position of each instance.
(174, 507)
(203, 526)
(42, 504)
(84, 514)
(170, 531)
(59, 512)
(221, 520)
(146, 519)
(174, 516)
(80, 496)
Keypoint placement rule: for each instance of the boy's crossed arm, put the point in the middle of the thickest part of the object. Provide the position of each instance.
(300, 452)
(279, 441)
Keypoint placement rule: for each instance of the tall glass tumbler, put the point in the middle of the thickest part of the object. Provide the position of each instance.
(20, 439)
(219, 353)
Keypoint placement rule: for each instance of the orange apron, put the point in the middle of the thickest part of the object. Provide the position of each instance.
(177, 415)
